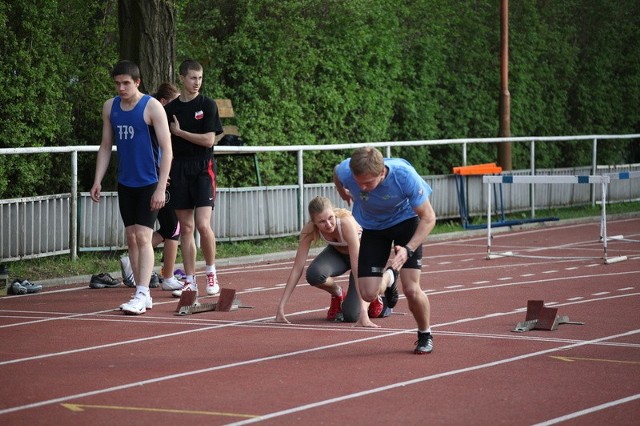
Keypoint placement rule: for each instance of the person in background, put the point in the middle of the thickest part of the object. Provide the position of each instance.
(195, 124)
(138, 125)
(169, 231)
(341, 232)
(391, 202)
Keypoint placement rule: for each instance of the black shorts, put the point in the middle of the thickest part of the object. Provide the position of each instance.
(135, 205)
(375, 248)
(193, 183)
(169, 225)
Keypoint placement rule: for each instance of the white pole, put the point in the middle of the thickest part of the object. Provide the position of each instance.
(603, 219)
(594, 168)
(532, 186)
(488, 220)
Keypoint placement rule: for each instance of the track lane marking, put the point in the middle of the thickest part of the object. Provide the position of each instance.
(590, 410)
(82, 407)
(367, 392)
(290, 354)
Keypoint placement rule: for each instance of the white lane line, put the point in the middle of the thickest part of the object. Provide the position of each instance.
(187, 374)
(423, 379)
(536, 281)
(589, 410)
(289, 354)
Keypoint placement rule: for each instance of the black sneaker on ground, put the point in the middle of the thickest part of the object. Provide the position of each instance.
(16, 287)
(31, 287)
(391, 293)
(386, 310)
(20, 286)
(103, 280)
(424, 344)
(155, 280)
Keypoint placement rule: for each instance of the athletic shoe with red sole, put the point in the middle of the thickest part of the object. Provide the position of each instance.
(213, 287)
(376, 307)
(336, 307)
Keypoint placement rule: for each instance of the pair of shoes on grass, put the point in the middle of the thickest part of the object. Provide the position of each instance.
(21, 286)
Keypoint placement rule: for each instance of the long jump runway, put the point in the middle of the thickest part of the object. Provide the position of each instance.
(68, 357)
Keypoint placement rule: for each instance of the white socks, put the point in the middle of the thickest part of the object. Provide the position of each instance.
(391, 277)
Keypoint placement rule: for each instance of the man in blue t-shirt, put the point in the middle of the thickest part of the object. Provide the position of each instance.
(391, 203)
(138, 125)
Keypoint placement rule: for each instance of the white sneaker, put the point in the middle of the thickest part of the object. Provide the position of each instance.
(126, 303)
(148, 305)
(187, 287)
(169, 284)
(212, 284)
(138, 305)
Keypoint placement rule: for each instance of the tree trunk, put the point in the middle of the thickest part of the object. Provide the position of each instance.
(504, 148)
(148, 37)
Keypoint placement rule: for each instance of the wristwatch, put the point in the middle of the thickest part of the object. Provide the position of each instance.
(409, 252)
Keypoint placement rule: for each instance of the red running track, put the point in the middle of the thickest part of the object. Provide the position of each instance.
(67, 357)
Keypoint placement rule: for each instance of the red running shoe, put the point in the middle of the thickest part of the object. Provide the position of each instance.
(376, 307)
(336, 307)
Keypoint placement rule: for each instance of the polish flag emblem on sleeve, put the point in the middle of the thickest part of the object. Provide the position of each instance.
(199, 115)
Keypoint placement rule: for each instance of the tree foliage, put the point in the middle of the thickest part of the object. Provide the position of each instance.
(306, 72)
(54, 71)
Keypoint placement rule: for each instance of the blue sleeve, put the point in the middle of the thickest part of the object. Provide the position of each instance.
(343, 171)
(417, 190)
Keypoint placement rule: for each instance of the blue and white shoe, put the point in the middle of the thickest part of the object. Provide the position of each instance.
(170, 284)
(127, 272)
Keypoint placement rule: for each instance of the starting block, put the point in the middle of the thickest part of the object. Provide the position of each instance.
(540, 317)
(227, 301)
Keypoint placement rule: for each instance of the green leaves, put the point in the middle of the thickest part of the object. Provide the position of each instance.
(306, 72)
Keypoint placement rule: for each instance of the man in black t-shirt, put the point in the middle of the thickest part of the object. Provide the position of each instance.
(195, 125)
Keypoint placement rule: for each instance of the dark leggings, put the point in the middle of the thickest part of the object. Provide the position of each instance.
(331, 263)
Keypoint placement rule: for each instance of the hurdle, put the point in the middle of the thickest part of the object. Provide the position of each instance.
(620, 176)
(462, 173)
(602, 180)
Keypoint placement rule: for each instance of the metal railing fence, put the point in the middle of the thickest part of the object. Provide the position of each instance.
(68, 223)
